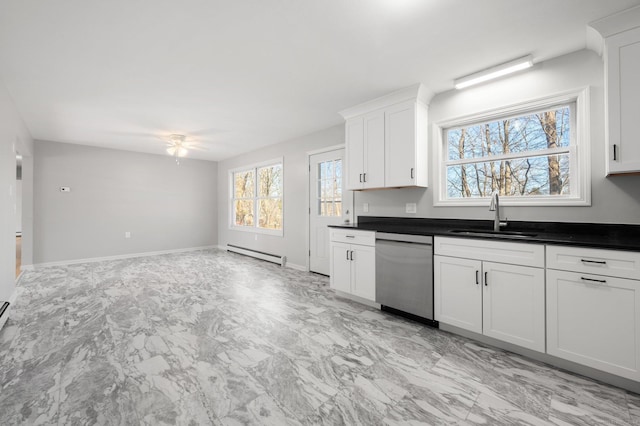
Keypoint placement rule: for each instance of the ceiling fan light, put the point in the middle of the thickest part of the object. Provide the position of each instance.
(182, 151)
(171, 150)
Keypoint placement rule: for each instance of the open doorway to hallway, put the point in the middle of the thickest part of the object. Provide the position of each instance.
(18, 209)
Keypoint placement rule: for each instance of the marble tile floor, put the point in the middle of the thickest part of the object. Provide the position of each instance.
(210, 337)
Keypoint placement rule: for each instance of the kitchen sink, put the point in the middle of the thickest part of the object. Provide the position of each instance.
(490, 233)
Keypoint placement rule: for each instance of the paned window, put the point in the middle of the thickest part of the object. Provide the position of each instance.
(329, 188)
(257, 198)
(529, 156)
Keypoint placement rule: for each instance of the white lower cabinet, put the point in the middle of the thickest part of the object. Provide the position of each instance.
(500, 300)
(594, 319)
(353, 266)
(457, 297)
(513, 304)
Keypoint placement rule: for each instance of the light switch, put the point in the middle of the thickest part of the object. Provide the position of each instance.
(365, 208)
(411, 208)
(65, 189)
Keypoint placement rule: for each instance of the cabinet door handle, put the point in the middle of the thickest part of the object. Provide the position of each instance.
(593, 279)
(360, 177)
(351, 257)
(347, 254)
(615, 152)
(486, 281)
(350, 236)
(364, 177)
(599, 262)
(412, 173)
(477, 280)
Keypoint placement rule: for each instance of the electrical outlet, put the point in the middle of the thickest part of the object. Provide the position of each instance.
(411, 208)
(127, 234)
(365, 208)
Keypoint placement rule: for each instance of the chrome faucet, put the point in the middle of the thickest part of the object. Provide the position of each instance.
(495, 206)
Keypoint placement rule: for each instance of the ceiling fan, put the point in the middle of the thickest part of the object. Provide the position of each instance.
(178, 146)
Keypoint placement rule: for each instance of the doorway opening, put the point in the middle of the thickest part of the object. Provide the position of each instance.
(18, 210)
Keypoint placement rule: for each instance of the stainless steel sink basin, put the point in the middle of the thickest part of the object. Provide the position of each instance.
(489, 233)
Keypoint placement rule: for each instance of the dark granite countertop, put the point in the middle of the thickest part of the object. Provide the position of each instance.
(594, 235)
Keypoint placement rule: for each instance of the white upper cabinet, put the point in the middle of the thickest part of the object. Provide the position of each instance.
(623, 101)
(373, 151)
(386, 141)
(354, 129)
(365, 151)
(621, 41)
(406, 145)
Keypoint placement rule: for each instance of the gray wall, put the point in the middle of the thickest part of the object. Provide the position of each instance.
(165, 206)
(614, 199)
(292, 244)
(27, 209)
(13, 133)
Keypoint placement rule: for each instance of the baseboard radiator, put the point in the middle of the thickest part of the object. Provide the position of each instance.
(274, 258)
(3, 310)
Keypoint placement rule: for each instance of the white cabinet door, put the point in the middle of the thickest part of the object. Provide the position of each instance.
(363, 272)
(354, 129)
(594, 320)
(373, 176)
(340, 267)
(623, 101)
(400, 145)
(513, 304)
(458, 292)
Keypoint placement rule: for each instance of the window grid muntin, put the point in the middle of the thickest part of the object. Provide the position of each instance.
(569, 150)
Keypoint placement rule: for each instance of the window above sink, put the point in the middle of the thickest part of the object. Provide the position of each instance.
(532, 153)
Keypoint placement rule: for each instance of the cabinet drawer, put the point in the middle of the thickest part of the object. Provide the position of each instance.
(492, 251)
(365, 238)
(614, 263)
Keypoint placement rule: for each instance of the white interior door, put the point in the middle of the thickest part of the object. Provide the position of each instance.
(330, 204)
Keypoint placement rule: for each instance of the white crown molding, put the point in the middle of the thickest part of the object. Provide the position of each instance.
(417, 92)
(599, 30)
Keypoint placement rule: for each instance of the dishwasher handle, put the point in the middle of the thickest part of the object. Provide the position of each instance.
(405, 238)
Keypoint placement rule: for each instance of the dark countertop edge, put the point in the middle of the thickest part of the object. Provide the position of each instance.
(588, 235)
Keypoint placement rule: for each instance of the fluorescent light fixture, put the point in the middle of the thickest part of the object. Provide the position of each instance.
(494, 72)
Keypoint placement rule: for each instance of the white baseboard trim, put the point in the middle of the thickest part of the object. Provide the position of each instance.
(116, 257)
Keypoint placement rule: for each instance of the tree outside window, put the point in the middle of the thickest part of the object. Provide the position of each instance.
(257, 197)
(520, 156)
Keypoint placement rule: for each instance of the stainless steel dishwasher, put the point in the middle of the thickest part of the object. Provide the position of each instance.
(404, 273)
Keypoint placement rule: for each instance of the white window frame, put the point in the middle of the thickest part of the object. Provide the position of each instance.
(579, 152)
(255, 228)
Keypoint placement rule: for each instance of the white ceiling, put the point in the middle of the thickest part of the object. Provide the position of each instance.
(240, 74)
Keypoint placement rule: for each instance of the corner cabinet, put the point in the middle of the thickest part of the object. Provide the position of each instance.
(386, 141)
(353, 263)
(491, 287)
(622, 74)
(593, 308)
(618, 39)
